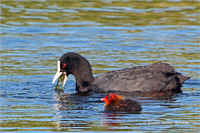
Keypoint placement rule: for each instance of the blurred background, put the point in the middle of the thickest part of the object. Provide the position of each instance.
(111, 34)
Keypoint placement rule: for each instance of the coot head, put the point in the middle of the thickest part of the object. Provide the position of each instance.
(75, 64)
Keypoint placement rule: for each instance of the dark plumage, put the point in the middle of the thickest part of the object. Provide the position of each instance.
(114, 102)
(152, 78)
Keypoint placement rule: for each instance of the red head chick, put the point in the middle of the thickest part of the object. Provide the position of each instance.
(114, 102)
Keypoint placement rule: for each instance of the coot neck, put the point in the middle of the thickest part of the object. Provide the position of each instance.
(83, 75)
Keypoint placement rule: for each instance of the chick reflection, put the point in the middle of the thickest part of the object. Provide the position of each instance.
(112, 119)
(116, 119)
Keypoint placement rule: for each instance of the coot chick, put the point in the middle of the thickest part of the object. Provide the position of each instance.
(114, 102)
(157, 77)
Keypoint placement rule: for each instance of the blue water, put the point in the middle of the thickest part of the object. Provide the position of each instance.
(29, 54)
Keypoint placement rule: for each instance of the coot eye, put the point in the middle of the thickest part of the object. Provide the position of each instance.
(63, 66)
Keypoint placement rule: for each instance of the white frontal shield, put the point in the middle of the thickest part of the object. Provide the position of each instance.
(58, 74)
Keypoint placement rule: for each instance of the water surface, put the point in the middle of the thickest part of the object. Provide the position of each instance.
(111, 35)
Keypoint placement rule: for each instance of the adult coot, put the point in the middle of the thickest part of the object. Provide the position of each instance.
(152, 78)
(114, 102)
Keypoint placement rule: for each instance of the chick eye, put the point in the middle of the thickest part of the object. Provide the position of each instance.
(64, 65)
(109, 96)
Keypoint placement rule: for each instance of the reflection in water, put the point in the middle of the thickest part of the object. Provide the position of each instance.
(112, 120)
(72, 111)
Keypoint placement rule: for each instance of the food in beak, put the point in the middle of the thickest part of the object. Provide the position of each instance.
(59, 76)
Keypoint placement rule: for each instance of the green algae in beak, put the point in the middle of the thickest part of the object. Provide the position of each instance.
(61, 82)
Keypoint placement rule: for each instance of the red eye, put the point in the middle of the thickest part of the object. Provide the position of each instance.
(64, 65)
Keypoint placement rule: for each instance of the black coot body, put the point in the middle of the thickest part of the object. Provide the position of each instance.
(152, 78)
